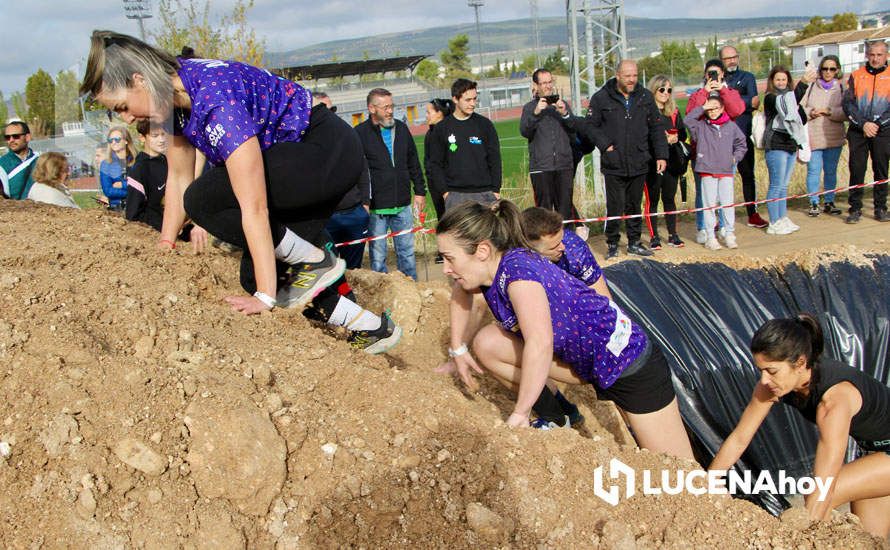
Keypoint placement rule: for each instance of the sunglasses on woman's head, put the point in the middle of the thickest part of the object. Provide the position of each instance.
(665, 90)
(115, 140)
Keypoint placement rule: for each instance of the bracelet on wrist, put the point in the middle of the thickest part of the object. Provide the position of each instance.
(168, 241)
(457, 352)
(265, 298)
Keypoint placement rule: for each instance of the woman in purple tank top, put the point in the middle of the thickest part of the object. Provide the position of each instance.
(551, 327)
(280, 167)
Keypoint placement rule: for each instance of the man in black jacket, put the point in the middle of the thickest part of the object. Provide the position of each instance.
(548, 125)
(465, 152)
(626, 126)
(393, 165)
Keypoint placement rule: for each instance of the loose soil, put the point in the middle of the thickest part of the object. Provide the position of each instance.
(141, 412)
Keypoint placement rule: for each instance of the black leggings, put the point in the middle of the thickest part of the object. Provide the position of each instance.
(661, 187)
(304, 183)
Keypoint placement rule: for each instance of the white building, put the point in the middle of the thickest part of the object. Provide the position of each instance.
(849, 46)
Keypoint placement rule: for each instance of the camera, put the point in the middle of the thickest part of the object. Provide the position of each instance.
(551, 99)
(713, 75)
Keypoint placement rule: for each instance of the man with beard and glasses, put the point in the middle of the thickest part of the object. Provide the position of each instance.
(394, 166)
(746, 85)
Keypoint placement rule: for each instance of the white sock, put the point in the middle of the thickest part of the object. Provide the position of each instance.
(293, 249)
(351, 315)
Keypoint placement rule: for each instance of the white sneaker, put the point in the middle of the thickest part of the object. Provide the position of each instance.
(712, 244)
(701, 237)
(778, 228)
(729, 240)
(790, 224)
(721, 233)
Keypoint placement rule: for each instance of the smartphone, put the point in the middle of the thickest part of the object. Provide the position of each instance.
(713, 75)
(551, 99)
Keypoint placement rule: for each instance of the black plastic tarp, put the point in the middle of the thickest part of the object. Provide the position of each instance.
(704, 316)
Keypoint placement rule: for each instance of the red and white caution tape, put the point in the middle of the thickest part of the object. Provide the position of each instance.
(422, 229)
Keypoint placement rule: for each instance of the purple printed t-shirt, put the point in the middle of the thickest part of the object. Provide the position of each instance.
(233, 102)
(590, 332)
(577, 260)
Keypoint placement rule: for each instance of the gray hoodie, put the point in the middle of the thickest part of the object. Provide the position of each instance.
(717, 148)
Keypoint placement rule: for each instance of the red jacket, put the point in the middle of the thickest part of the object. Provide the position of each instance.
(733, 103)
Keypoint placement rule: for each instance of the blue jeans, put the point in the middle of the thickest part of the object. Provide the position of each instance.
(381, 224)
(780, 165)
(349, 225)
(823, 160)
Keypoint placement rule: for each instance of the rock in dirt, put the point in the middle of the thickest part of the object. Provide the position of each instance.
(618, 535)
(796, 518)
(143, 346)
(61, 430)
(140, 456)
(235, 454)
(487, 524)
(86, 504)
(216, 532)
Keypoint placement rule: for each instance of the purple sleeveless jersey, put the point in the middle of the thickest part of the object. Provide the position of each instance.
(233, 102)
(590, 333)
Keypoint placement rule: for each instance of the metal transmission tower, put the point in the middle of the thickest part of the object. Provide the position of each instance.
(536, 28)
(139, 10)
(606, 18)
(476, 4)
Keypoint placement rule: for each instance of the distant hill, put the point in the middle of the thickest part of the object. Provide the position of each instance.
(515, 38)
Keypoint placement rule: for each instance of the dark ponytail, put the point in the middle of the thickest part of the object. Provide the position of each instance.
(444, 106)
(788, 339)
(471, 223)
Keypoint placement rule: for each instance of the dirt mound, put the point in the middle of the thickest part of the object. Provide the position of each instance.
(140, 411)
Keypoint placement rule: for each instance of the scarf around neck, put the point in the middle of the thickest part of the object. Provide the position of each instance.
(719, 121)
(826, 85)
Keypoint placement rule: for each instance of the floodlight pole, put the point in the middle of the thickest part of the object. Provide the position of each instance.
(476, 4)
(138, 10)
(608, 17)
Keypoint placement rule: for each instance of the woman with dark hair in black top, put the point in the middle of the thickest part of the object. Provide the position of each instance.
(842, 401)
(436, 110)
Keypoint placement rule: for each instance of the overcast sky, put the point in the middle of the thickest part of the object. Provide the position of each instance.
(54, 34)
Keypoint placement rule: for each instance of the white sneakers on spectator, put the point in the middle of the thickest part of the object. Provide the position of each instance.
(729, 240)
(701, 237)
(712, 244)
(782, 226)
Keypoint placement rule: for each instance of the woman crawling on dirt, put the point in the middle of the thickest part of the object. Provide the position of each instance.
(841, 400)
(543, 229)
(551, 328)
(280, 168)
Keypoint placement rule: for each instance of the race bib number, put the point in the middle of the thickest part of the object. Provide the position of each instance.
(621, 333)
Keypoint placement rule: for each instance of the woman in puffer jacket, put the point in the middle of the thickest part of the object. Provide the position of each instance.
(825, 122)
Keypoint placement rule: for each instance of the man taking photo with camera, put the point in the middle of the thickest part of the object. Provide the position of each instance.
(548, 125)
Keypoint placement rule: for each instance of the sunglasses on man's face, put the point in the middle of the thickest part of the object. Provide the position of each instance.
(829, 69)
(665, 90)
(12, 136)
(115, 140)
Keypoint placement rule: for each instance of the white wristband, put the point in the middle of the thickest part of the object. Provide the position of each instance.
(265, 298)
(459, 351)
